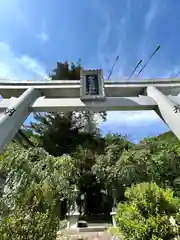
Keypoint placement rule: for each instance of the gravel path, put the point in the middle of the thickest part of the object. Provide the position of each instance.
(90, 236)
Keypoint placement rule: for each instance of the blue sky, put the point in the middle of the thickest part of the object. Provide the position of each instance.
(35, 34)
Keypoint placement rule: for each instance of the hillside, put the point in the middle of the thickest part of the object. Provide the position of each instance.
(169, 136)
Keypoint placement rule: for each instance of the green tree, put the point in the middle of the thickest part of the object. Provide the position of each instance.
(37, 180)
(156, 161)
(123, 164)
(105, 167)
(62, 132)
(37, 191)
(150, 212)
(29, 226)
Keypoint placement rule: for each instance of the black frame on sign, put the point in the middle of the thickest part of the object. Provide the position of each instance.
(100, 95)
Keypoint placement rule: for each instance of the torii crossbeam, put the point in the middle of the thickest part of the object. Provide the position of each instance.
(22, 98)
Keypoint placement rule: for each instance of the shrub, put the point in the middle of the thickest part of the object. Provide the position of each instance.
(32, 226)
(150, 212)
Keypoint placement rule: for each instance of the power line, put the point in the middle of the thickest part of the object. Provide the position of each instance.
(148, 60)
(113, 67)
(135, 69)
(176, 75)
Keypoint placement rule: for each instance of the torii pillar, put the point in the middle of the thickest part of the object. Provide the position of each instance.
(167, 109)
(15, 115)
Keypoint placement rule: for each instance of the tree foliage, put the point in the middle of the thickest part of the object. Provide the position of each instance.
(105, 167)
(43, 183)
(152, 160)
(37, 186)
(150, 212)
(65, 72)
(36, 179)
(29, 226)
(61, 133)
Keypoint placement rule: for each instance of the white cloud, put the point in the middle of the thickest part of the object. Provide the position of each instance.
(105, 57)
(103, 39)
(132, 117)
(151, 14)
(135, 125)
(42, 36)
(19, 67)
(13, 67)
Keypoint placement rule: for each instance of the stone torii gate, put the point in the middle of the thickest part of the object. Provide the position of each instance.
(91, 93)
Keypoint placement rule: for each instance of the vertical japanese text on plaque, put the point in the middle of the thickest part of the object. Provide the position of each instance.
(92, 85)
